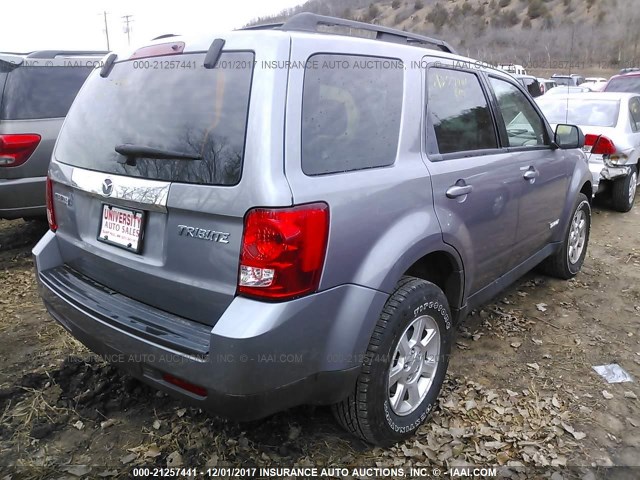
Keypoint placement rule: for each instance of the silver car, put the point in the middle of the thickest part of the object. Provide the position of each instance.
(277, 216)
(611, 123)
(36, 91)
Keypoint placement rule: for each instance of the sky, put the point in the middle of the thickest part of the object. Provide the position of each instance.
(28, 25)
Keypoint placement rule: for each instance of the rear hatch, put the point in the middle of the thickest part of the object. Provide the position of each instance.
(148, 195)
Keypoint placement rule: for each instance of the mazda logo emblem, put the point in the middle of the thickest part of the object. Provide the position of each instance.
(107, 187)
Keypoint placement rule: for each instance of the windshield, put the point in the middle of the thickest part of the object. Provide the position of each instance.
(166, 103)
(624, 84)
(593, 113)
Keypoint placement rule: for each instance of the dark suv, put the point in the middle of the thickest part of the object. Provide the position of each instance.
(36, 91)
(276, 216)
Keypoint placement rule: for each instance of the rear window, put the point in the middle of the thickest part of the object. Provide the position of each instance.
(166, 103)
(622, 84)
(591, 113)
(351, 110)
(34, 92)
(564, 81)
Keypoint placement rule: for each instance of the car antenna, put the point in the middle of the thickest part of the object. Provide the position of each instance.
(566, 112)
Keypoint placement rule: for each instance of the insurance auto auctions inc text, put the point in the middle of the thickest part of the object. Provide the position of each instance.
(377, 472)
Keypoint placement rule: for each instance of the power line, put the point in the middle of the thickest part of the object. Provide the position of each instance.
(127, 28)
(106, 28)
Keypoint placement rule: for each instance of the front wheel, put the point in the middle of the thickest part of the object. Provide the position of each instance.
(624, 191)
(568, 260)
(404, 367)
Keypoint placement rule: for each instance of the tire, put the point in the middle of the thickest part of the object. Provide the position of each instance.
(566, 262)
(368, 412)
(624, 191)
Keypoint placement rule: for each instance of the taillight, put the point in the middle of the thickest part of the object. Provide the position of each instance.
(600, 145)
(283, 251)
(15, 149)
(51, 213)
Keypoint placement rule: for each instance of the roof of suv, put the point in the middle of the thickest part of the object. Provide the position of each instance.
(301, 25)
(635, 73)
(20, 58)
(310, 22)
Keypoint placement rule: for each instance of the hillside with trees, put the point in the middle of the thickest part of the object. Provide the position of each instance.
(540, 34)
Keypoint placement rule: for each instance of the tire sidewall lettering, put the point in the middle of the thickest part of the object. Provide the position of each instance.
(402, 429)
(438, 307)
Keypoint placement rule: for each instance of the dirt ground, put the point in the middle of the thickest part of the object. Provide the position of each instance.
(521, 389)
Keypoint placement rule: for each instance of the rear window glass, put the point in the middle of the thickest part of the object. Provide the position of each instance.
(628, 85)
(170, 104)
(351, 110)
(33, 92)
(564, 81)
(459, 112)
(592, 113)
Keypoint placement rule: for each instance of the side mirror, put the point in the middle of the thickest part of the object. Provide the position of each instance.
(568, 136)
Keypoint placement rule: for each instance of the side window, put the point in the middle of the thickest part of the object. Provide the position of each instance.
(459, 112)
(634, 113)
(525, 128)
(351, 111)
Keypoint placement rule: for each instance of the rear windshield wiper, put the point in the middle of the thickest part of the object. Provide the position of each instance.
(131, 152)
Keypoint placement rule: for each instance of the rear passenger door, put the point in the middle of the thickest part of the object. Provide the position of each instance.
(543, 171)
(475, 184)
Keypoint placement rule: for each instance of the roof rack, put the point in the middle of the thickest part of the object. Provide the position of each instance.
(67, 53)
(263, 26)
(309, 22)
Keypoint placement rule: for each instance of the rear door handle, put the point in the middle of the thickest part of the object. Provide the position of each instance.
(459, 190)
(530, 174)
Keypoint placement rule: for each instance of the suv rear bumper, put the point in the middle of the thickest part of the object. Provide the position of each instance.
(23, 197)
(259, 358)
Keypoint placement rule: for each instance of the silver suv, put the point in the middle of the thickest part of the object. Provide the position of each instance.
(278, 216)
(36, 91)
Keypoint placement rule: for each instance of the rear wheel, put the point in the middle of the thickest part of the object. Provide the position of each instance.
(568, 260)
(624, 191)
(404, 367)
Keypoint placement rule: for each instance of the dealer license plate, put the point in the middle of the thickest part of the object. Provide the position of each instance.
(121, 227)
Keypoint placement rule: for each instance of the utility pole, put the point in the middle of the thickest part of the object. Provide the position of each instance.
(106, 29)
(127, 28)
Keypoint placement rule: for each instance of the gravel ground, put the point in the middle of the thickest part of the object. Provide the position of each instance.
(521, 390)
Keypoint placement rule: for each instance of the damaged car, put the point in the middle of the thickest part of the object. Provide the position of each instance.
(611, 124)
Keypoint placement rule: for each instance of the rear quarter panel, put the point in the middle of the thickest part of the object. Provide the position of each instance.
(38, 163)
(381, 219)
